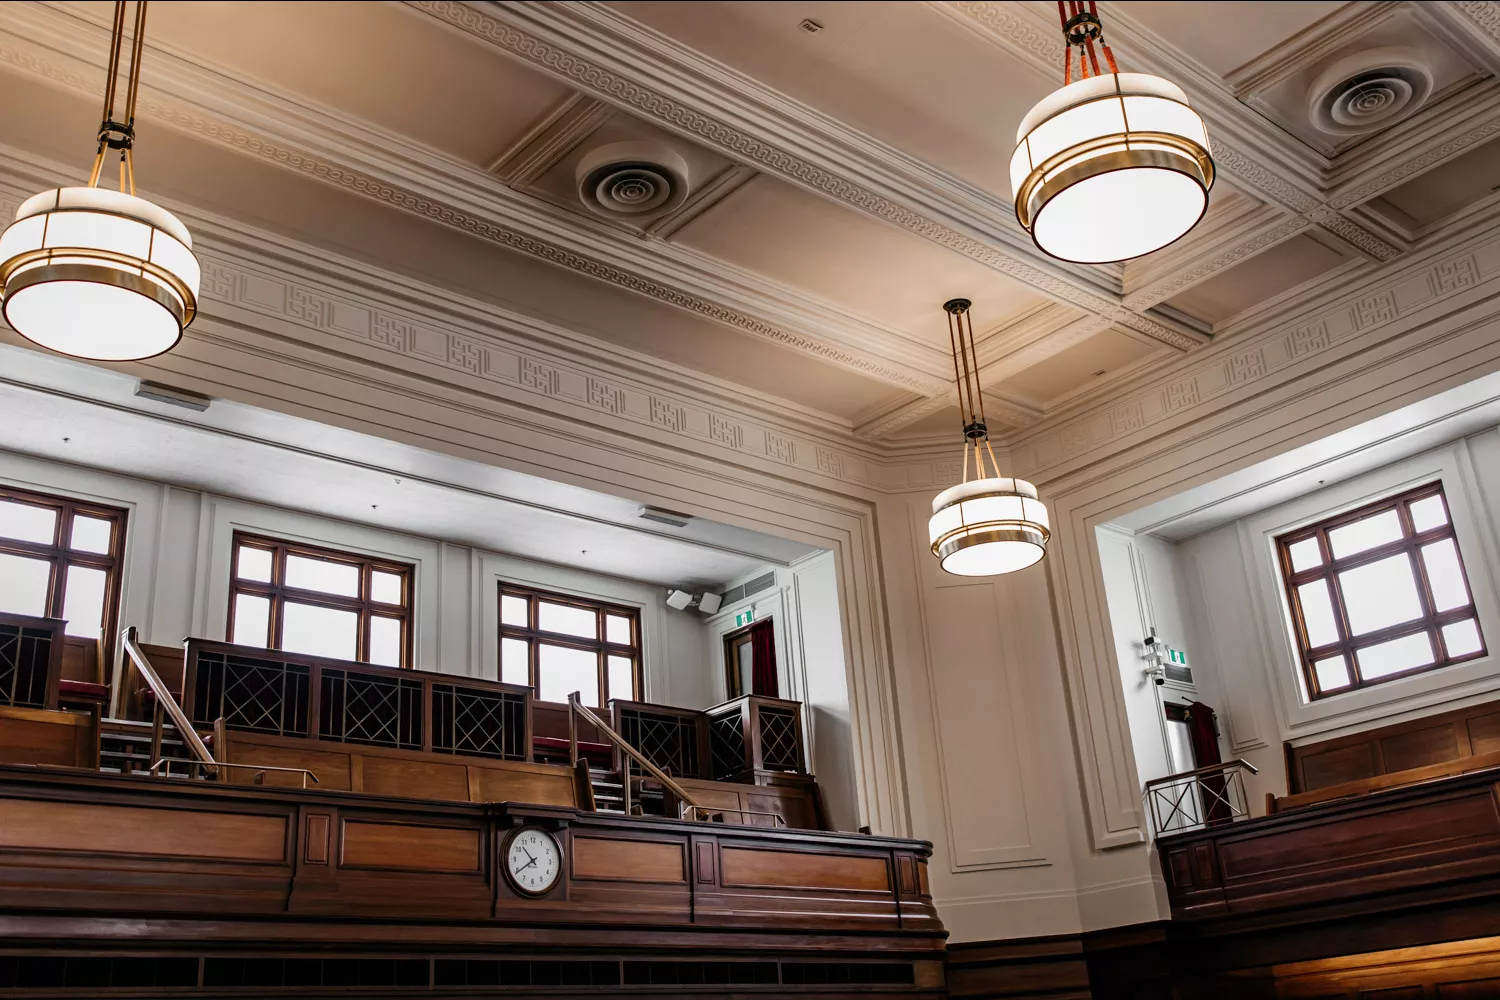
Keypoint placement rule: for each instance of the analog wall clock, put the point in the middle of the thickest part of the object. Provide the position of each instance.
(533, 861)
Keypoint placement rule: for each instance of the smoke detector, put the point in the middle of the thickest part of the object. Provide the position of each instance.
(629, 180)
(1368, 91)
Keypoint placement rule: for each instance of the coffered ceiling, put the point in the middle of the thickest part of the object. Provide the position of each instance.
(781, 195)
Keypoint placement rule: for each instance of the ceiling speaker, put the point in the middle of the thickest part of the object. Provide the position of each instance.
(709, 603)
(678, 599)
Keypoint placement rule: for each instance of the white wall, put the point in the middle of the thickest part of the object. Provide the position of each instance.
(1219, 596)
(177, 561)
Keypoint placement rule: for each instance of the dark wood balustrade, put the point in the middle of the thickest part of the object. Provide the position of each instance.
(199, 873)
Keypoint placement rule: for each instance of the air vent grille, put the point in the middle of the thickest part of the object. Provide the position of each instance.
(763, 582)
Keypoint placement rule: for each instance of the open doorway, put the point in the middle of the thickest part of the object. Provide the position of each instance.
(750, 661)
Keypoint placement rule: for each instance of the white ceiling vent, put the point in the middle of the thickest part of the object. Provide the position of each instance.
(1369, 91)
(627, 180)
(663, 516)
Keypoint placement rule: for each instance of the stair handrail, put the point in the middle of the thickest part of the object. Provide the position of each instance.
(576, 705)
(167, 700)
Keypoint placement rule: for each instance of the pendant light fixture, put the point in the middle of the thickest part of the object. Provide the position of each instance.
(1112, 166)
(101, 274)
(990, 524)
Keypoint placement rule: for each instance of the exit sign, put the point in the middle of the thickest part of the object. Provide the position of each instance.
(744, 617)
(1177, 657)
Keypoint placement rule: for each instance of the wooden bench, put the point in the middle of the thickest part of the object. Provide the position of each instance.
(1395, 779)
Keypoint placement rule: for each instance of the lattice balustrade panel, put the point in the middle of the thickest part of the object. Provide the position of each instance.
(780, 749)
(668, 741)
(259, 695)
(23, 665)
(479, 723)
(379, 711)
(726, 745)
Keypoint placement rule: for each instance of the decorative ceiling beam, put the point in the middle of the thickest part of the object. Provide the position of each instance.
(616, 59)
(252, 118)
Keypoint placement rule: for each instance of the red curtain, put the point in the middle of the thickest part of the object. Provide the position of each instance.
(763, 659)
(1205, 736)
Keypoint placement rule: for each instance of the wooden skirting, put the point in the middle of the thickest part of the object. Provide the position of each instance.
(217, 874)
(1053, 968)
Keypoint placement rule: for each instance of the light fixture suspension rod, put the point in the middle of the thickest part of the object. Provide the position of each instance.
(115, 134)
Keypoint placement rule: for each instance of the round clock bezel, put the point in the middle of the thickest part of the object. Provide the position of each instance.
(510, 877)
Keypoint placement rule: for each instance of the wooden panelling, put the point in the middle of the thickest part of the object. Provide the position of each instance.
(1417, 743)
(802, 870)
(627, 860)
(35, 824)
(417, 779)
(512, 781)
(757, 804)
(1051, 967)
(1412, 838)
(316, 849)
(44, 736)
(409, 847)
(407, 773)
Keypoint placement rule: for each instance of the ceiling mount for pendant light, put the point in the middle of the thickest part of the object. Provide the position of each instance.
(101, 274)
(1112, 166)
(990, 524)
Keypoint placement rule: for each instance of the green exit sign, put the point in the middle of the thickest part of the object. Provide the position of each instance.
(1177, 657)
(744, 617)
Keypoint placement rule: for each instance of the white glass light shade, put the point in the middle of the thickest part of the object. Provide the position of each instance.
(988, 526)
(98, 274)
(1111, 167)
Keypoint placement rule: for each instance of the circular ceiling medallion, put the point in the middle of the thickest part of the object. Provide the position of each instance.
(628, 180)
(1369, 91)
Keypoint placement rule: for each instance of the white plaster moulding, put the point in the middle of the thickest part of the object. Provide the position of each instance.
(254, 119)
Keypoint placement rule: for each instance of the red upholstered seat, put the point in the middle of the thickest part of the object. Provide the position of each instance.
(82, 692)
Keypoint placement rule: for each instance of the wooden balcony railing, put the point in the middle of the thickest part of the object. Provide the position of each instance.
(31, 651)
(293, 695)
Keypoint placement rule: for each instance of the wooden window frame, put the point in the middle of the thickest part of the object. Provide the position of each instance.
(1410, 543)
(534, 636)
(363, 605)
(60, 556)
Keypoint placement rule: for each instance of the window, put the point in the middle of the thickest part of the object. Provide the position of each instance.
(305, 599)
(61, 558)
(1379, 593)
(557, 645)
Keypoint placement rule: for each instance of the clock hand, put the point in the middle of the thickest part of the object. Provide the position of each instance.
(528, 854)
(526, 865)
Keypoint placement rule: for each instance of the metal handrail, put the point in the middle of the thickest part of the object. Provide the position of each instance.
(259, 769)
(575, 704)
(165, 699)
(1190, 799)
(1208, 769)
(699, 811)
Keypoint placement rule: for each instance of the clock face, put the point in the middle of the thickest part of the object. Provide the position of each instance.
(533, 860)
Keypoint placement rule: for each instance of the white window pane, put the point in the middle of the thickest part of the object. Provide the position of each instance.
(617, 629)
(323, 576)
(253, 564)
(564, 671)
(1305, 554)
(27, 523)
(1445, 575)
(513, 610)
(307, 628)
(621, 677)
(1428, 512)
(1395, 656)
(1462, 638)
(91, 534)
(567, 620)
(515, 661)
(1333, 673)
(252, 620)
(83, 603)
(1317, 614)
(1366, 533)
(23, 585)
(385, 587)
(1381, 594)
(385, 641)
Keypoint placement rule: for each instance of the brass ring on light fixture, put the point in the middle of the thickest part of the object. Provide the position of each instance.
(965, 537)
(119, 269)
(1141, 150)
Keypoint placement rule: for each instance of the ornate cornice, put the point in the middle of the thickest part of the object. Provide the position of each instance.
(810, 150)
